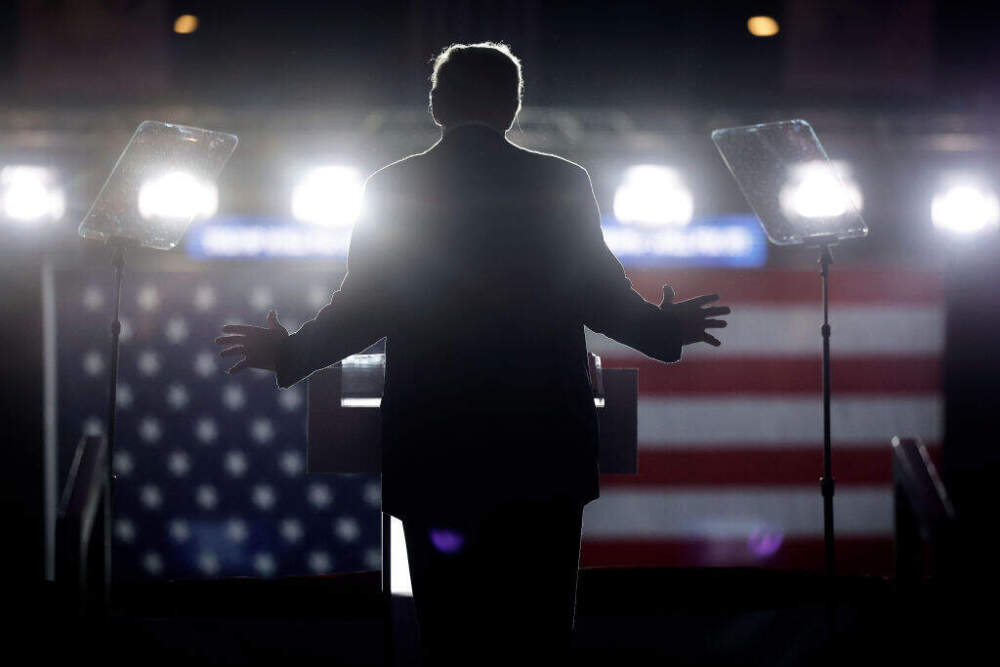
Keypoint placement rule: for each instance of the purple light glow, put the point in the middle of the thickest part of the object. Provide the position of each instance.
(764, 544)
(447, 541)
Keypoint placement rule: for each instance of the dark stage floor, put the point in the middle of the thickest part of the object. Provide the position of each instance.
(624, 616)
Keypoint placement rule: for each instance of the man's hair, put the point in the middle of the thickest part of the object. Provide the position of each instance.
(476, 82)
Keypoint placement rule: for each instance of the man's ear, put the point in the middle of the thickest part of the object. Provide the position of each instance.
(437, 101)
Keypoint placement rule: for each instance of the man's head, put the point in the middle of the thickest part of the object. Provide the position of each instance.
(476, 82)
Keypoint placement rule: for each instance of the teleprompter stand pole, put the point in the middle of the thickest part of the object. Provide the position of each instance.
(826, 482)
(118, 263)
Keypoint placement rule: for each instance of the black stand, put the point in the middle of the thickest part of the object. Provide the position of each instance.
(826, 482)
(118, 262)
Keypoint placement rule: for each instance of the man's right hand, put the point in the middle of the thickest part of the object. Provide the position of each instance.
(257, 346)
(692, 319)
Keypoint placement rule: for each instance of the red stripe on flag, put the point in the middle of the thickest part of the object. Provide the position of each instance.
(778, 286)
(855, 555)
(762, 466)
(867, 375)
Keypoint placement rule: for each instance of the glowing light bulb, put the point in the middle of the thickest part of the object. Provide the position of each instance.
(185, 24)
(653, 196)
(30, 195)
(816, 190)
(329, 196)
(177, 196)
(762, 26)
(965, 209)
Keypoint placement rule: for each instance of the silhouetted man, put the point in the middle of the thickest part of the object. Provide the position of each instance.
(481, 262)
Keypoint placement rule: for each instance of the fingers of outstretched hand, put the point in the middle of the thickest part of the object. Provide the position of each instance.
(711, 340)
(715, 311)
(273, 323)
(715, 324)
(229, 340)
(230, 351)
(703, 299)
(243, 363)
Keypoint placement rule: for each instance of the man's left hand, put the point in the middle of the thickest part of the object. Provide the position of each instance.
(694, 320)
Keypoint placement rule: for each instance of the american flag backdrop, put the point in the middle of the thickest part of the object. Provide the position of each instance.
(730, 439)
(211, 468)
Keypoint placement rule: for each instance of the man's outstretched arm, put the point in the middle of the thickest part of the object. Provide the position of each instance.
(348, 324)
(614, 308)
(352, 321)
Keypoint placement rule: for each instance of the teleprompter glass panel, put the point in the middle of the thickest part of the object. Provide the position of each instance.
(163, 180)
(793, 188)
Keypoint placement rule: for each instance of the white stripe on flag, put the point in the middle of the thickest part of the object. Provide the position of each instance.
(794, 331)
(725, 513)
(784, 420)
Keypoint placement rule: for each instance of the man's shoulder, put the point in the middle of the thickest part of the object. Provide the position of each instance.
(555, 164)
(546, 166)
(398, 169)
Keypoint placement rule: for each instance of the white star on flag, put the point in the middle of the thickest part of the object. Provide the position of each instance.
(93, 298)
(179, 530)
(291, 530)
(206, 430)
(177, 396)
(205, 364)
(291, 463)
(233, 396)
(179, 464)
(319, 495)
(290, 399)
(263, 496)
(208, 562)
(235, 463)
(206, 496)
(124, 396)
(150, 496)
(265, 564)
(125, 530)
(152, 562)
(93, 362)
(319, 562)
(262, 430)
(149, 363)
(204, 298)
(176, 330)
(261, 298)
(236, 530)
(148, 298)
(347, 528)
(150, 429)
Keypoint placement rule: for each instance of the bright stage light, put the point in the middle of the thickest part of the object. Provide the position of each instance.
(653, 196)
(966, 209)
(329, 196)
(177, 196)
(820, 189)
(31, 194)
(762, 26)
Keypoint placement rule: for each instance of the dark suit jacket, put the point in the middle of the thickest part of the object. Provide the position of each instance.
(481, 262)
